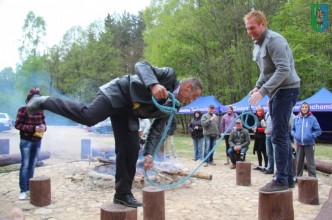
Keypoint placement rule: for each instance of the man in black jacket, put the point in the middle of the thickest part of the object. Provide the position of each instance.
(125, 100)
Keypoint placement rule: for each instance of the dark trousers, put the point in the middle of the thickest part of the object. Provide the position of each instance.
(281, 107)
(126, 140)
(226, 137)
(260, 145)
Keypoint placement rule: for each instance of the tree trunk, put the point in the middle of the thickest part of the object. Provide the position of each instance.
(10, 159)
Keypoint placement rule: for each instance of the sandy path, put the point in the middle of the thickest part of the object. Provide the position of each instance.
(73, 198)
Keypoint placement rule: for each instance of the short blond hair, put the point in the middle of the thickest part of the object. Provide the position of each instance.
(258, 15)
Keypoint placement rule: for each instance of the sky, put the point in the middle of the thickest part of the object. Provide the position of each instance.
(59, 15)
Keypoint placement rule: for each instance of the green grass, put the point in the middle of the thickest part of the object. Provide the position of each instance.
(184, 149)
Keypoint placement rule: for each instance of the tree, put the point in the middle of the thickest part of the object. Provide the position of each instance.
(34, 30)
(312, 50)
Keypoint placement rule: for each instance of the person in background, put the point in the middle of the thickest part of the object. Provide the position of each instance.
(210, 125)
(169, 142)
(239, 141)
(126, 99)
(227, 122)
(32, 128)
(268, 143)
(260, 139)
(196, 131)
(143, 131)
(305, 130)
(277, 79)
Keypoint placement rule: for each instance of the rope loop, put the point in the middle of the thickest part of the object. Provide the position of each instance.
(245, 117)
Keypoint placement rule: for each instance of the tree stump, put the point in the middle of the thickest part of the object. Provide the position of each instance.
(308, 190)
(243, 173)
(276, 205)
(111, 211)
(326, 210)
(85, 148)
(4, 146)
(40, 191)
(154, 203)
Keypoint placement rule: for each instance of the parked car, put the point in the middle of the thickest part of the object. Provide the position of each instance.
(5, 122)
(103, 127)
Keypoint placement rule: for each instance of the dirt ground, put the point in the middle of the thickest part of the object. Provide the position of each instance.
(73, 198)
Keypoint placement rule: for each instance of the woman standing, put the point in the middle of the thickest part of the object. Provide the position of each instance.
(32, 128)
(226, 121)
(196, 130)
(304, 130)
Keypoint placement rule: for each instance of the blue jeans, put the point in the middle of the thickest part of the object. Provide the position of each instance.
(231, 153)
(270, 154)
(208, 145)
(29, 154)
(281, 107)
(198, 146)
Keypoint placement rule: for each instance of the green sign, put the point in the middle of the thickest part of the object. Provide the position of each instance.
(319, 17)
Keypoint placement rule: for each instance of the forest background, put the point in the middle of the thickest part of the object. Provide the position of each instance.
(197, 38)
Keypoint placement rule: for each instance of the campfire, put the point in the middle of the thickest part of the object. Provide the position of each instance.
(163, 173)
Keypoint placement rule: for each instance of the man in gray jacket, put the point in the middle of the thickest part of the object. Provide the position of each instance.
(125, 100)
(278, 79)
(210, 124)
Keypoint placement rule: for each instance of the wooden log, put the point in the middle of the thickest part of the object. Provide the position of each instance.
(111, 211)
(198, 175)
(10, 159)
(40, 191)
(4, 146)
(276, 205)
(326, 210)
(322, 166)
(243, 173)
(154, 203)
(108, 161)
(308, 190)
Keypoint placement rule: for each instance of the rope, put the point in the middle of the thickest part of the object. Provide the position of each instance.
(171, 111)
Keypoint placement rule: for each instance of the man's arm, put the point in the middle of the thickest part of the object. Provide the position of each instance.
(155, 79)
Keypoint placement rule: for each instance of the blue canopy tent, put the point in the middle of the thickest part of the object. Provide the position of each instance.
(202, 104)
(321, 106)
(243, 105)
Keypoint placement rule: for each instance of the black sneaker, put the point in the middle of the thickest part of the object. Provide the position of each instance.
(257, 168)
(268, 172)
(273, 186)
(291, 185)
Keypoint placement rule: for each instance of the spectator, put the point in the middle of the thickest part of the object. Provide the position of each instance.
(143, 131)
(226, 122)
(32, 128)
(196, 131)
(210, 131)
(304, 130)
(260, 139)
(169, 143)
(239, 141)
(268, 143)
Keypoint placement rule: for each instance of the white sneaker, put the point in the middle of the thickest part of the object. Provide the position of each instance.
(22, 196)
